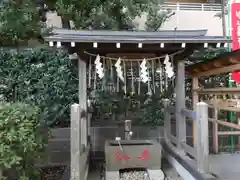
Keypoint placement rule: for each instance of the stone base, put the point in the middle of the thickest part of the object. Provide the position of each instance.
(112, 175)
(209, 177)
(155, 174)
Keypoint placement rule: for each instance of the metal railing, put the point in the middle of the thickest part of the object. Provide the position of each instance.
(191, 6)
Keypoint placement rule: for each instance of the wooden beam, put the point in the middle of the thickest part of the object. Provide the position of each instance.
(234, 60)
(127, 47)
(226, 124)
(228, 104)
(205, 67)
(217, 71)
(218, 91)
(227, 133)
(196, 70)
(131, 55)
(217, 64)
(231, 109)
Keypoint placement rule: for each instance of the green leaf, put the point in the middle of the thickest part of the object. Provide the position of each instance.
(21, 140)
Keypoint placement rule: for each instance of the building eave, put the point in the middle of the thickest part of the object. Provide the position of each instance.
(178, 36)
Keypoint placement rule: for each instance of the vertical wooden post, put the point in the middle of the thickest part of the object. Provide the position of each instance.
(84, 84)
(167, 121)
(84, 131)
(80, 82)
(75, 141)
(84, 99)
(82, 70)
(180, 103)
(128, 126)
(195, 99)
(82, 73)
(202, 137)
(89, 116)
(215, 128)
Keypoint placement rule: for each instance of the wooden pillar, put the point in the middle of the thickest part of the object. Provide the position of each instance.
(128, 126)
(84, 132)
(180, 103)
(76, 144)
(202, 137)
(167, 121)
(82, 72)
(195, 99)
(89, 124)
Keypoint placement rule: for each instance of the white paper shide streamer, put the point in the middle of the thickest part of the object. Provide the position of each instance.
(119, 69)
(99, 68)
(168, 67)
(143, 71)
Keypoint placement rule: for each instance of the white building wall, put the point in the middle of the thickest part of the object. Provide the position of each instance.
(182, 20)
(197, 20)
(192, 20)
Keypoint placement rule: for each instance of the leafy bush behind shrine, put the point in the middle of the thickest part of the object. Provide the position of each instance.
(47, 78)
(43, 77)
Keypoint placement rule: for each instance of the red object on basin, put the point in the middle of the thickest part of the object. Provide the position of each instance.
(120, 157)
(236, 77)
(145, 155)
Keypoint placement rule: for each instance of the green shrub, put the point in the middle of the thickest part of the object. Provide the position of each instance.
(22, 142)
(44, 77)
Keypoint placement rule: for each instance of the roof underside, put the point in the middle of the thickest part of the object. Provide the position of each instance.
(174, 36)
(159, 43)
(224, 63)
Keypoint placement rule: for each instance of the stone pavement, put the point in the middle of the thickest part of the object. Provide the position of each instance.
(225, 166)
(170, 173)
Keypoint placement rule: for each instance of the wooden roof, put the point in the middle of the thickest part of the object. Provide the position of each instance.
(224, 63)
(159, 43)
(110, 36)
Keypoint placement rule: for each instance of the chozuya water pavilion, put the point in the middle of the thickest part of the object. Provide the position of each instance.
(146, 50)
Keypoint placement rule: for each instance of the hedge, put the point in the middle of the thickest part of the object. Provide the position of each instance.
(43, 77)
(22, 142)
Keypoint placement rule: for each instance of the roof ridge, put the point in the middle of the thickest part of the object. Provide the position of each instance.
(162, 33)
